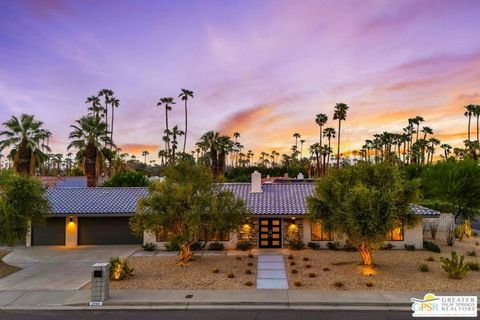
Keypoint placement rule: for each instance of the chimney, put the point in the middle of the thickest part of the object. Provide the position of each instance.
(256, 186)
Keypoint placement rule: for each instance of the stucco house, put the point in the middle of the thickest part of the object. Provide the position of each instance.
(99, 216)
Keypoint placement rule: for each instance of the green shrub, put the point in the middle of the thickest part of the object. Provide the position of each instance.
(149, 246)
(216, 246)
(471, 253)
(174, 244)
(430, 259)
(196, 246)
(410, 247)
(473, 266)
(120, 269)
(430, 246)
(335, 245)
(387, 246)
(454, 267)
(296, 245)
(314, 245)
(127, 179)
(244, 245)
(349, 247)
(424, 268)
(450, 235)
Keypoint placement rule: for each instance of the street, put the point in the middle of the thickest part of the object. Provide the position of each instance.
(206, 315)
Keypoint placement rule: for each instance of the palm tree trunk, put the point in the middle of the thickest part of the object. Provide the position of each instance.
(186, 127)
(90, 165)
(111, 132)
(329, 146)
(478, 116)
(23, 159)
(469, 120)
(166, 125)
(338, 142)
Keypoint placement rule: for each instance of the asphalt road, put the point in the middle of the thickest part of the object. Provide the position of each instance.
(207, 315)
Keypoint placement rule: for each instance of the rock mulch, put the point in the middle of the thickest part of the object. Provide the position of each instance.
(6, 269)
(398, 269)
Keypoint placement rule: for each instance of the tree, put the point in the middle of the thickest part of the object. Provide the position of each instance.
(189, 204)
(185, 94)
(340, 114)
(476, 113)
(416, 121)
(168, 103)
(455, 183)
(26, 138)
(363, 203)
(87, 136)
(127, 179)
(447, 149)
(470, 110)
(330, 134)
(114, 103)
(22, 202)
(297, 136)
(144, 155)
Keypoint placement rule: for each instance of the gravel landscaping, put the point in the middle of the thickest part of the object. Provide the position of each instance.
(398, 269)
(161, 272)
(6, 269)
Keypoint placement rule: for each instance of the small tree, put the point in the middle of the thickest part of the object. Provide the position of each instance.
(22, 201)
(127, 179)
(363, 203)
(456, 183)
(188, 203)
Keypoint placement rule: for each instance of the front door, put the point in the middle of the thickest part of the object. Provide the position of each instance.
(270, 233)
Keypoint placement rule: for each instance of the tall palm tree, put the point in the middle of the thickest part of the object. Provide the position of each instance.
(107, 94)
(297, 136)
(209, 141)
(167, 102)
(145, 154)
(330, 134)
(302, 141)
(114, 103)
(316, 149)
(426, 130)
(446, 150)
(321, 119)
(25, 137)
(185, 94)
(340, 114)
(95, 106)
(416, 121)
(470, 110)
(175, 134)
(87, 135)
(476, 113)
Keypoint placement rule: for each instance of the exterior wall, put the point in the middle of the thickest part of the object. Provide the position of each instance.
(444, 222)
(71, 231)
(149, 237)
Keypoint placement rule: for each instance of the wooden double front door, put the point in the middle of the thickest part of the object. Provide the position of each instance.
(270, 232)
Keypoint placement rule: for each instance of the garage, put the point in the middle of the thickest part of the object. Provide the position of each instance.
(52, 233)
(105, 231)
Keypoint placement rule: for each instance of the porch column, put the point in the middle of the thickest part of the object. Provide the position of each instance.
(71, 230)
(28, 238)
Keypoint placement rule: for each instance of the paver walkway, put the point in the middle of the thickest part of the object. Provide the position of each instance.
(271, 272)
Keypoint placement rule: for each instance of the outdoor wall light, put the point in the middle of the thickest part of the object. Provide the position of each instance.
(71, 218)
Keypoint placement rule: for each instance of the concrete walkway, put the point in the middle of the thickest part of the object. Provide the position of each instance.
(210, 299)
(271, 272)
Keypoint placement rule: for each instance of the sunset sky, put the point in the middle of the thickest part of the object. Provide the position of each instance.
(263, 68)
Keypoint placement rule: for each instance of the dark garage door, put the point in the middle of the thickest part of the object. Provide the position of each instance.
(50, 234)
(105, 230)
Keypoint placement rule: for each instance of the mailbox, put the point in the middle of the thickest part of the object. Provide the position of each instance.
(100, 283)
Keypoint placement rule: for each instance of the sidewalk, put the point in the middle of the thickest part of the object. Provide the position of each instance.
(214, 299)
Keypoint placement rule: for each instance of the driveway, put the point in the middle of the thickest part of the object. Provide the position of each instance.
(57, 267)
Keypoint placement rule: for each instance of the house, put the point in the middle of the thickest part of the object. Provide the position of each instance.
(94, 216)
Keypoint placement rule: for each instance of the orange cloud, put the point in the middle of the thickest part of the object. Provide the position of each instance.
(134, 148)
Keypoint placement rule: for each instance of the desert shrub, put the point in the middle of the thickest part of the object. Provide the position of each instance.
(314, 245)
(387, 246)
(335, 245)
(248, 283)
(430, 246)
(248, 271)
(250, 256)
(454, 267)
(297, 283)
(238, 258)
(149, 246)
(424, 268)
(216, 246)
(433, 227)
(349, 247)
(338, 284)
(369, 284)
(410, 247)
(294, 271)
(174, 244)
(296, 245)
(290, 257)
(250, 264)
(120, 269)
(450, 235)
(430, 259)
(196, 246)
(326, 269)
(244, 245)
(230, 275)
(216, 270)
(308, 266)
(459, 232)
(477, 243)
(306, 259)
(471, 253)
(292, 263)
(475, 234)
(473, 266)
(312, 275)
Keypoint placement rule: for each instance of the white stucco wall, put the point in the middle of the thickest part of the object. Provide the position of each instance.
(151, 237)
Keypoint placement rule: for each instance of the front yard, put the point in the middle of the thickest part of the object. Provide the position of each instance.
(6, 269)
(399, 270)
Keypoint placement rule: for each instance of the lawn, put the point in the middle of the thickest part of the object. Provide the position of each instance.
(161, 272)
(6, 269)
(398, 269)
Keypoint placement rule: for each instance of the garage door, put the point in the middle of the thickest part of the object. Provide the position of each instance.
(50, 234)
(105, 230)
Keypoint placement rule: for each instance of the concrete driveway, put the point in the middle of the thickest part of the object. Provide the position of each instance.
(57, 267)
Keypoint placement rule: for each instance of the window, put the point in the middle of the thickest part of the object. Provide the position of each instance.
(396, 234)
(319, 233)
(216, 236)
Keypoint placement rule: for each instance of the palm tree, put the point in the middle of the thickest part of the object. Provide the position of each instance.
(114, 103)
(296, 136)
(416, 121)
(175, 133)
(107, 94)
(330, 134)
(315, 149)
(426, 130)
(476, 113)
(470, 110)
(95, 106)
(25, 137)
(209, 141)
(301, 148)
(168, 103)
(87, 136)
(446, 150)
(145, 154)
(184, 95)
(340, 114)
